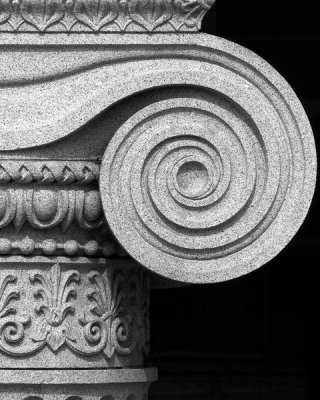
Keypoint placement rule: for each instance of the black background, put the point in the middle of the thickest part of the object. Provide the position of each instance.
(256, 337)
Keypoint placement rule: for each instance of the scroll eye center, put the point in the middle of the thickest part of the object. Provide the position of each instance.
(192, 178)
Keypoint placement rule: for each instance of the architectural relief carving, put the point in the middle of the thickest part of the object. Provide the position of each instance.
(48, 172)
(55, 292)
(105, 323)
(36, 194)
(208, 170)
(102, 15)
(45, 209)
(204, 185)
(50, 247)
(91, 313)
(11, 323)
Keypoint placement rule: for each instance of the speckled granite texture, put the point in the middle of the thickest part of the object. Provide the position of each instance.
(127, 160)
(218, 179)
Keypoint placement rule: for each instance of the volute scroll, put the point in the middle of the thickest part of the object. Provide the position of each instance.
(213, 187)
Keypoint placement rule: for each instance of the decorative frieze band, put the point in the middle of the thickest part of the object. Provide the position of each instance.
(51, 247)
(46, 209)
(48, 172)
(102, 15)
(59, 198)
(92, 313)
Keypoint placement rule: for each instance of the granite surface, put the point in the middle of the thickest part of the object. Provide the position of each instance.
(215, 153)
(75, 16)
(129, 384)
(212, 186)
(187, 153)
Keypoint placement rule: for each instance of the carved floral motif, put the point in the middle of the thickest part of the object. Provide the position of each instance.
(11, 324)
(95, 313)
(96, 15)
(42, 13)
(117, 301)
(150, 13)
(55, 293)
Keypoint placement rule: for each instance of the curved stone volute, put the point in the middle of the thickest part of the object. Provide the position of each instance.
(192, 149)
(205, 188)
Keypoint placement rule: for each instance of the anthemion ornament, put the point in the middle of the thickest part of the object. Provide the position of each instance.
(134, 152)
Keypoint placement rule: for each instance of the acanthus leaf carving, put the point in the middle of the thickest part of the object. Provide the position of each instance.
(69, 19)
(5, 299)
(42, 13)
(11, 323)
(5, 10)
(190, 13)
(16, 19)
(96, 13)
(102, 313)
(150, 13)
(55, 292)
(101, 319)
(116, 322)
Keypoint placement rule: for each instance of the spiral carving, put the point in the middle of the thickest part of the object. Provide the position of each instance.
(204, 186)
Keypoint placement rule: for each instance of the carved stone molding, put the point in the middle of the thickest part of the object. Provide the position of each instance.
(46, 209)
(52, 208)
(119, 384)
(102, 15)
(48, 172)
(59, 316)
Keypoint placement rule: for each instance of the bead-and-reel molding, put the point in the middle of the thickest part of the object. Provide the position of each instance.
(205, 190)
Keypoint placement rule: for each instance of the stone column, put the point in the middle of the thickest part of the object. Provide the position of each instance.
(134, 151)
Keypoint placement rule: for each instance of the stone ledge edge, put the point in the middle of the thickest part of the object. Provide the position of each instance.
(77, 377)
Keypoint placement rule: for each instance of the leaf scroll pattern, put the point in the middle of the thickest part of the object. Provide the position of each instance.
(5, 10)
(55, 292)
(42, 13)
(117, 320)
(150, 13)
(90, 313)
(96, 13)
(102, 15)
(11, 323)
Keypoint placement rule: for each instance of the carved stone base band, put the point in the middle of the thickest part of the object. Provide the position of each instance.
(55, 315)
(119, 384)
